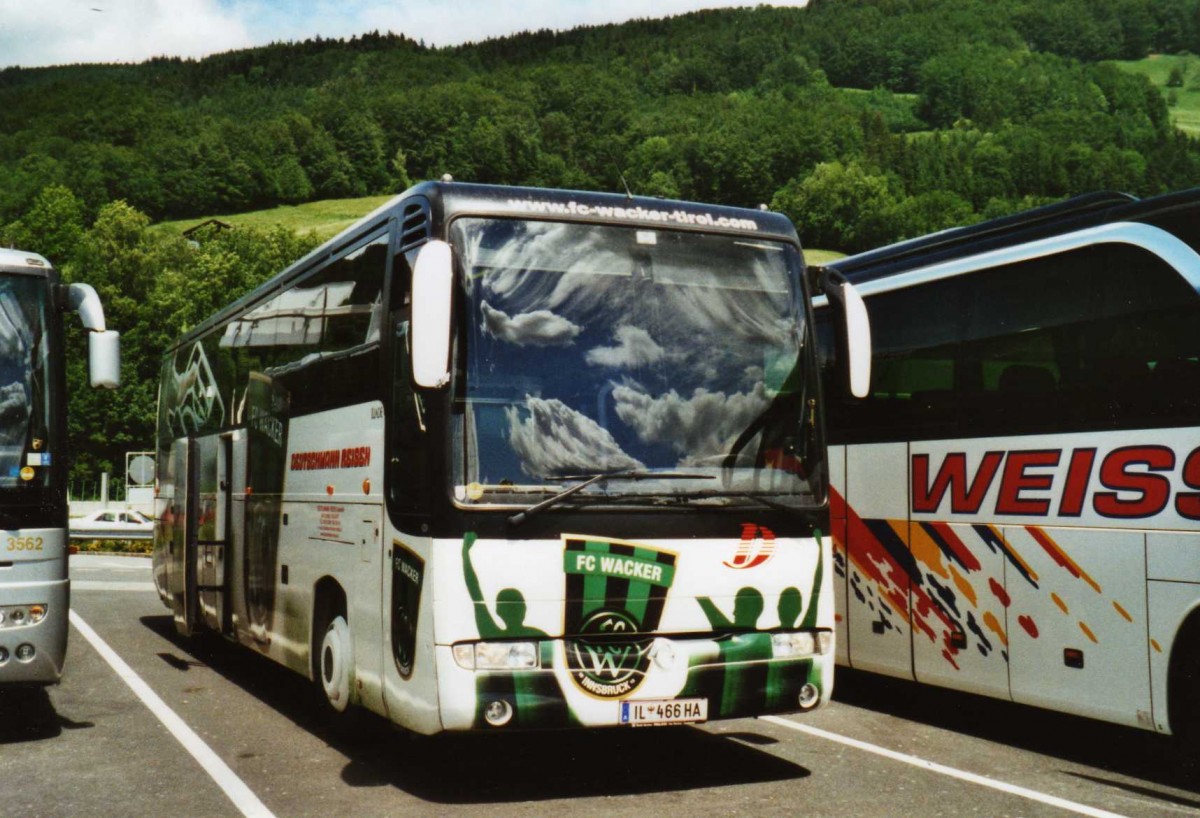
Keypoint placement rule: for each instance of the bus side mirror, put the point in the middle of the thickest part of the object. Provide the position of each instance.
(858, 342)
(104, 345)
(432, 290)
(855, 330)
(104, 359)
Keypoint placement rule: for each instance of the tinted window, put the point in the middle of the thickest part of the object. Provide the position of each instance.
(915, 334)
(1105, 337)
(318, 341)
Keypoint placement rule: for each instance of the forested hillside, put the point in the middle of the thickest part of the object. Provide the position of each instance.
(971, 106)
(865, 120)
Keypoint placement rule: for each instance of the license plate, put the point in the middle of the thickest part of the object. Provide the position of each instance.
(664, 711)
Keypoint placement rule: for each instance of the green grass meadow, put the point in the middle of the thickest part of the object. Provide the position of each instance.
(327, 218)
(1183, 101)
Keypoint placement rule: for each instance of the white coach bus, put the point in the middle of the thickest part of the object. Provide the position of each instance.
(34, 586)
(511, 458)
(1017, 503)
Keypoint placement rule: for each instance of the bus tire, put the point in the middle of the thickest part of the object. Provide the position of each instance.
(335, 665)
(1184, 687)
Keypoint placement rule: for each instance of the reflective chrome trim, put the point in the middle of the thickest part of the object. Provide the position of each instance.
(1182, 258)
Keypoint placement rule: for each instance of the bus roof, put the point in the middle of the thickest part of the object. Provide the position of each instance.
(448, 200)
(464, 198)
(1073, 214)
(19, 260)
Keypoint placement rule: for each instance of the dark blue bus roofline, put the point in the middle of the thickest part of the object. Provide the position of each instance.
(1069, 215)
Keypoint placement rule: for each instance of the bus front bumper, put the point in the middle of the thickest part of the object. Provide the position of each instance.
(733, 678)
(32, 647)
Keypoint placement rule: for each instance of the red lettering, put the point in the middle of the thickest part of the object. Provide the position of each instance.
(952, 475)
(1154, 490)
(1078, 475)
(1187, 503)
(1015, 481)
(311, 461)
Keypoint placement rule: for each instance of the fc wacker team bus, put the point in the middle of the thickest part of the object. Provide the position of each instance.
(500, 457)
(1016, 503)
(34, 588)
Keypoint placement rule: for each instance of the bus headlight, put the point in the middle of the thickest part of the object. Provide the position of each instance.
(16, 616)
(496, 655)
(800, 643)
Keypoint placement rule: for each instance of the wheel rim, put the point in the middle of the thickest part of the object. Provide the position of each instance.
(336, 666)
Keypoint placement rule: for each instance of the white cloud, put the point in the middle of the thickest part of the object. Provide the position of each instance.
(634, 348)
(555, 439)
(701, 426)
(51, 32)
(55, 32)
(540, 328)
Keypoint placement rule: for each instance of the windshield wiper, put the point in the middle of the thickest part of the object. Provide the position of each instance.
(741, 495)
(589, 479)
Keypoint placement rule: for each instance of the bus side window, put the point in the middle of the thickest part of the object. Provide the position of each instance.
(1075, 341)
(915, 334)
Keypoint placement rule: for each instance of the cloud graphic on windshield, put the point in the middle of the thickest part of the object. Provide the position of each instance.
(634, 348)
(556, 439)
(540, 328)
(701, 426)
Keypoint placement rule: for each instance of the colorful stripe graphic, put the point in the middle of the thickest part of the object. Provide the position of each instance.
(1059, 556)
(929, 575)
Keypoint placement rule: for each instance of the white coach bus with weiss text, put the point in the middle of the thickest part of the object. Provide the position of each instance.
(1016, 504)
(502, 458)
(34, 586)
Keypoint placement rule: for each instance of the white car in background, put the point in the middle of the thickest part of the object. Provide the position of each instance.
(112, 525)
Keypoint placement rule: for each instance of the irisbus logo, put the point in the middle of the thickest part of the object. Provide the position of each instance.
(756, 547)
(1121, 483)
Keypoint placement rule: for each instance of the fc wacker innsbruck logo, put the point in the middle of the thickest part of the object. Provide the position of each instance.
(615, 597)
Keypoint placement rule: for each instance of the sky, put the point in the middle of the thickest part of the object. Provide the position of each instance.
(56, 32)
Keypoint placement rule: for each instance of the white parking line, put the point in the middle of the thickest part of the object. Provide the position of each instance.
(115, 585)
(962, 775)
(241, 795)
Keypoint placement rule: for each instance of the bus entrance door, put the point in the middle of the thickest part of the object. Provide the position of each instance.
(879, 565)
(965, 641)
(211, 543)
(182, 565)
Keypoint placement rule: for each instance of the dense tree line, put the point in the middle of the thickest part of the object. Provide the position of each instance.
(735, 106)
(866, 121)
(154, 285)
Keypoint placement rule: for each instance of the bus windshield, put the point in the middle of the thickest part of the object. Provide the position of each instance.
(598, 349)
(24, 381)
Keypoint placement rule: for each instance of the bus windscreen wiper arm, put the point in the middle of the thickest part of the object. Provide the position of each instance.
(522, 516)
